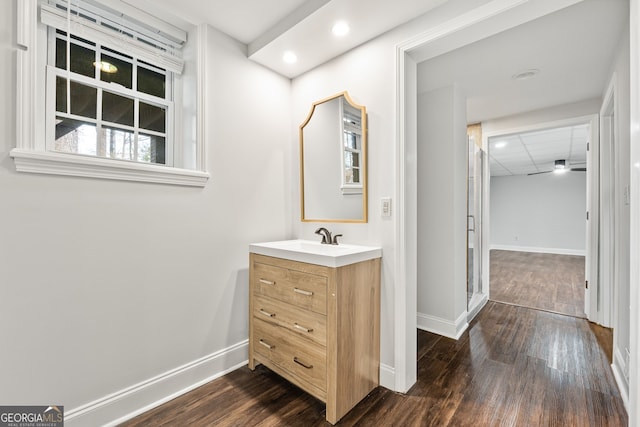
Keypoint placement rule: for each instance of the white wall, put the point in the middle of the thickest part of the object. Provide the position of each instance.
(365, 73)
(442, 210)
(634, 368)
(621, 333)
(539, 213)
(107, 284)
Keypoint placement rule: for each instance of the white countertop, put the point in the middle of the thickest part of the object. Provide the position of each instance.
(313, 252)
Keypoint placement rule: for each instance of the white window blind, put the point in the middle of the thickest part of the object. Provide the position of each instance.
(97, 22)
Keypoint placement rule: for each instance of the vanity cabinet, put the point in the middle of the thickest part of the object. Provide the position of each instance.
(317, 326)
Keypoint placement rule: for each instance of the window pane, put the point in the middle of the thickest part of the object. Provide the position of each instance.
(351, 140)
(117, 109)
(84, 100)
(61, 54)
(152, 117)
(355, 160)
(61, 95)
(119, 143)
(151, 82)
(117, 71)
(82, 60)
(351, 166)
(75, 136)
(356, 176)
(151, 149)
(348, 176)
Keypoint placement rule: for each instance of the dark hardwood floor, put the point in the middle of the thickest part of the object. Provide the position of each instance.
(514, 366)
(544, 281)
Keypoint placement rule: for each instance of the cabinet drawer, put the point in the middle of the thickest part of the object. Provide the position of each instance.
(301, 358)
(305, 290)
(302, 322)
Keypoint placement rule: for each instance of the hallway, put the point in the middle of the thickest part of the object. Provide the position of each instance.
(514, 366)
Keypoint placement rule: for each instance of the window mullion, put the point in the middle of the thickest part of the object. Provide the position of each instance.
(136, 126)
(101, 148)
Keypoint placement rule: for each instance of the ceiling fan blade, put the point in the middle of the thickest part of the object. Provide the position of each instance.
(578, 169)
(538, 173)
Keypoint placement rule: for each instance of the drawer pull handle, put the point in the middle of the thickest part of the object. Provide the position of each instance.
(266, 313)
(303, 292)
(302, 328)
(304, 365)
(270, 347)
(267, 282)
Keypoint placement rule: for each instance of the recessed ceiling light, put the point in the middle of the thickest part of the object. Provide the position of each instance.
(526, 74)
(340, 29)
(289, 57)
(500, 144)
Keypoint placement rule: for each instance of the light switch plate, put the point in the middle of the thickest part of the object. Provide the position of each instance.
(385, 206)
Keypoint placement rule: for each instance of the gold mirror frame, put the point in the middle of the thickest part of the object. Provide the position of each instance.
(363, 161)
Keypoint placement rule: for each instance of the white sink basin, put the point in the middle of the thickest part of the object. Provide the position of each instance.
(313, 252)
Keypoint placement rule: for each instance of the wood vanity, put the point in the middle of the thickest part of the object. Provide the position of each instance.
(317, 326)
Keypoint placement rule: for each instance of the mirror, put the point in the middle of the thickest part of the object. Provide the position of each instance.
(333, 174)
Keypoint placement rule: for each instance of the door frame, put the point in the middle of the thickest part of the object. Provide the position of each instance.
(603, 305)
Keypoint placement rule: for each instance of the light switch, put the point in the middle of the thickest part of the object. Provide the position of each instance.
(385, 206)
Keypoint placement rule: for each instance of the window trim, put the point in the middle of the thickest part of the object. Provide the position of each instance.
(31, 155)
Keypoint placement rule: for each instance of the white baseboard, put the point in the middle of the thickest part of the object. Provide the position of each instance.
(125, 404)
(443, 327)
(558, 251)
(618, 367)
(387, 376)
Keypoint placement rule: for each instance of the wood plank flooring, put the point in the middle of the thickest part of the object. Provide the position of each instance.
(514, 366)
(544, 281)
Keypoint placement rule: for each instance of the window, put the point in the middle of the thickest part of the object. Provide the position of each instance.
(111, 98)
(351, 149)
(105, 103)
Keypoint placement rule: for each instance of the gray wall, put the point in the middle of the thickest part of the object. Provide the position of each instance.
(539, 213)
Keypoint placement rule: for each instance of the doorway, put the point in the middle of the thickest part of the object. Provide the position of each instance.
(410, 54)
(539, 196)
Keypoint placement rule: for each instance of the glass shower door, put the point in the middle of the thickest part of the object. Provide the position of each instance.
(475, 172)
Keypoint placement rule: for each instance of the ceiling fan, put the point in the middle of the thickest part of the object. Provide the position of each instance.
(560, 166)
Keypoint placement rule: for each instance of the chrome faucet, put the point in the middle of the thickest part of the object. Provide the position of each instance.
(326, 236)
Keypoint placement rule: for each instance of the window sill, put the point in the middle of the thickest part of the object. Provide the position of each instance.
(46, 162)
(351, 190)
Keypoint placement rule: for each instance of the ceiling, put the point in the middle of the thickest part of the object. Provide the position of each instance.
(270, 28)
(572, 48)
(536, 151)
